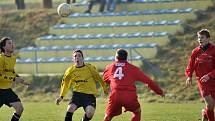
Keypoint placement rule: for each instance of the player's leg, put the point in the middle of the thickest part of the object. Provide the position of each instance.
(90, 6)
(89, 105)
(70, 110)
(114, 107)
(102, 5)
(89, 112)
(18, 110)
(210, 103)
(132, 105)
(107, 118)
(12, 100)
(204, 115)
(136, 115)
(73, 105)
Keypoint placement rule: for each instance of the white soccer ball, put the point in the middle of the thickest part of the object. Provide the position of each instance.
(64, 9)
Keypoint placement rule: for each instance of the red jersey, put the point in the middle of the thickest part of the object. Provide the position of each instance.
(203, 63)
(122, 75)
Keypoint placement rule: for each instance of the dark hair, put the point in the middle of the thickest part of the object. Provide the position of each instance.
(121, 54)
(205, 32)
(3, 43)
(79, 52)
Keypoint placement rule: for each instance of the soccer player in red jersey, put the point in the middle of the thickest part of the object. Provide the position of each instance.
(121, 76)
(202, 62)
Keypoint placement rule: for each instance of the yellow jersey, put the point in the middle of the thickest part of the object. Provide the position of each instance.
(83, 79)
(7, 73)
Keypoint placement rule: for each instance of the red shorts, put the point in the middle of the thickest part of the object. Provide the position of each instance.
(206, 90)
(120, 99)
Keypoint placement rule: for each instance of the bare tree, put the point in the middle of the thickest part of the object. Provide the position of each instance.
(20, 4)
(47, 3)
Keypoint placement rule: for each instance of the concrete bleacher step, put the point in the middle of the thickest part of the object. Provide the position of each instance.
(101, 36)
(195, 4)
(117, 27)
(157, 17)
(199, 4)
(59, 67)
(149, 50)
(158, 40)
(116, 24)
(85, 3)
(65, 59)
(132, 13)
(87, 47)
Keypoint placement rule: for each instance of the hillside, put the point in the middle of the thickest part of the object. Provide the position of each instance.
(24, 27)
(173, 58)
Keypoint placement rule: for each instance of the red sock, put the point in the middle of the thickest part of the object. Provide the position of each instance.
(136, 116)
(210, 114)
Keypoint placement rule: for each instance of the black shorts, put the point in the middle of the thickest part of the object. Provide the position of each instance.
(83, 100)
(7, 96)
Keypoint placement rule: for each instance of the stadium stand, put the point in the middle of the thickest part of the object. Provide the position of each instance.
(142, 24)
(116, 24)
(85, 3)
(65, 59)
(88, 47)
(99, 36)
(133, 13)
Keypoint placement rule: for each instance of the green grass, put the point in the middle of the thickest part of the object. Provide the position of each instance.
(48, 111)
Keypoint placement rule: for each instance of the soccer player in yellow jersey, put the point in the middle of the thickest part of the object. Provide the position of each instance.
(7, 76)
(82, 76)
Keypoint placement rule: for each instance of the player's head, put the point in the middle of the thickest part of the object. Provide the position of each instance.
(78, 57)
(121, 54)
(203, 37)
(6, 45)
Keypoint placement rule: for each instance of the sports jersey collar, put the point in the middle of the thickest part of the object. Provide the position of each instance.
(7, 55)
(204, 48)
(80, 66)
(122, 61)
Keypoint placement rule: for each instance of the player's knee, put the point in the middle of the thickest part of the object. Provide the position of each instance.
(19, 109)
(71, 108)
(89, 114)
(89, 111)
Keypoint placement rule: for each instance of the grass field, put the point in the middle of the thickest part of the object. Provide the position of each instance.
(48, 111)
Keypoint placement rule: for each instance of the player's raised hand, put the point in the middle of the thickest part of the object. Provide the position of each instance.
(189, 81)
(58, 100)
